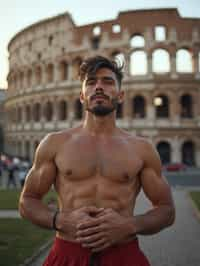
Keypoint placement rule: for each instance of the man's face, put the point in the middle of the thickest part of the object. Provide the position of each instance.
(100, 92)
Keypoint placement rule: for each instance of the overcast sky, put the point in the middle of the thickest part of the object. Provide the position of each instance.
(18, 14)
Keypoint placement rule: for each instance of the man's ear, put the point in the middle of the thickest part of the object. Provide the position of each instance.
(81, 97)
(121, 97)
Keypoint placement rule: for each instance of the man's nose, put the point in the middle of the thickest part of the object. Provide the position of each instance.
(99, 89)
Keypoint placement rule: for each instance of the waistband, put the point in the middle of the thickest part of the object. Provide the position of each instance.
(75, 248)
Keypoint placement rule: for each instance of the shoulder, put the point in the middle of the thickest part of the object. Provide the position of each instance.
(145, 149)
(52, 142)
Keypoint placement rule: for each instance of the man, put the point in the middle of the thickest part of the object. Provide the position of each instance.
(97, 170)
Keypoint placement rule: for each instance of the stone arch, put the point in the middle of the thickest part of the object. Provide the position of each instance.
(186, 106)
(161, 103)
(184, 63)
(19, 114)
(62, 110)
(160, 61)
(29, 77)
(78, 109)
(138, 107)
(64, 70)
(188, 152)
(27, 113)
(36, 112)
(75, 67)
(48, 111)
(119, 57)
(27, 149)
(50, 73)
(164, 150)
(137, 41)
(119, 111)
(138, 63)
(38, 75)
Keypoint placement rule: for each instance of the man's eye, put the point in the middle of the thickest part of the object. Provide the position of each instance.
(108, 81)
(91, 82)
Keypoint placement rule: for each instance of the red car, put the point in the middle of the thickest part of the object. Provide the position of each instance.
(175, 167)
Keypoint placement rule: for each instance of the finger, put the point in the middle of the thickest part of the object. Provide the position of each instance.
(91, 223)
(89, 231)
(102, 247)
(92, 210)
(90, 239)
(96, 244)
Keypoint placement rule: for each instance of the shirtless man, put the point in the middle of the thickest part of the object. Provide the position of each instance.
(98, 170)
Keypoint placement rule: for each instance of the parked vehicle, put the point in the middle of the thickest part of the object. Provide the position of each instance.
(175, 167)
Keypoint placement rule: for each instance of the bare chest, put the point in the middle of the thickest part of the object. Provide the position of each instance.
(117, 160)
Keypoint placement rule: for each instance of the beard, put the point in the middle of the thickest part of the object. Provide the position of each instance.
(101, 110)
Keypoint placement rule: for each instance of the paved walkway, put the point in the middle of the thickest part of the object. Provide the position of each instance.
(176, 246)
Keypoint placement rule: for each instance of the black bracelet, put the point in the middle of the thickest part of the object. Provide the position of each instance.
(54, 220)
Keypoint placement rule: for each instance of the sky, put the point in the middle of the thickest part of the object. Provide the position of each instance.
(16, 15)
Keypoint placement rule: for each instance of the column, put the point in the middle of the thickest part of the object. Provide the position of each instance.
(173, 66)
(149, 65)
(176, 149)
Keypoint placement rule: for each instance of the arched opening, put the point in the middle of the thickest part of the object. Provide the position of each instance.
(62, 110)
(138, 63)
(27, 113)
(48, 111)
(164, 151)
(137, 41)
(36, 112)
(19, 114)
(161, 103)
(160, 61)
(75, 67)
(64, 70)
(38, 73)
(78, 110)
(184, 62)
(188, 153)
(27, 149)
(119, 58)
(119, 111)
(186, 106)
(138, 107)
(29, 78)
(50, 73)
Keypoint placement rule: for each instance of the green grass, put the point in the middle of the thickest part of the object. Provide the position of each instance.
(19, 239)
(9, 198)
(195, 195)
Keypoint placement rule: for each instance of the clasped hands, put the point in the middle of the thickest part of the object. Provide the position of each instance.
(99, 228)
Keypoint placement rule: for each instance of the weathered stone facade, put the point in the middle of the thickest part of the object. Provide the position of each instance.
(2, 118)
(161, 50)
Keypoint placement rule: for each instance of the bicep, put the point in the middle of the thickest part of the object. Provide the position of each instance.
(154, 184)
(43, 172)
(156, 187)
(39, 180)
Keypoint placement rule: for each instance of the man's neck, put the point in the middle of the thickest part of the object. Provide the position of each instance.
(99, 125)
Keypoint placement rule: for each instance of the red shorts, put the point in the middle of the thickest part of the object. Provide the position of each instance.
(65, 253)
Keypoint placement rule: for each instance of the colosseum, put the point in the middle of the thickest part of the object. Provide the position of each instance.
(161, 51)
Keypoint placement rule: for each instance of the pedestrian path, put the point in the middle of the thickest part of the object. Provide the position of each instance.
(9, 214)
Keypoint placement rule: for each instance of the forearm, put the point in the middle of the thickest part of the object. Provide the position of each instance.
(154, 220)
(36, 211)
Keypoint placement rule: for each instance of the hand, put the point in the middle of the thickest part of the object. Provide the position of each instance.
(67, 221)
(104, 230)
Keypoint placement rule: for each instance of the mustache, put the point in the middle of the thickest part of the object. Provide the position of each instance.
(101, 95)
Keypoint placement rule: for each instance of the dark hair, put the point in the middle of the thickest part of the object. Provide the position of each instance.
(92, 64)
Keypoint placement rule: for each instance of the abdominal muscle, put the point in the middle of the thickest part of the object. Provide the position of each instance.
(102, 194)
